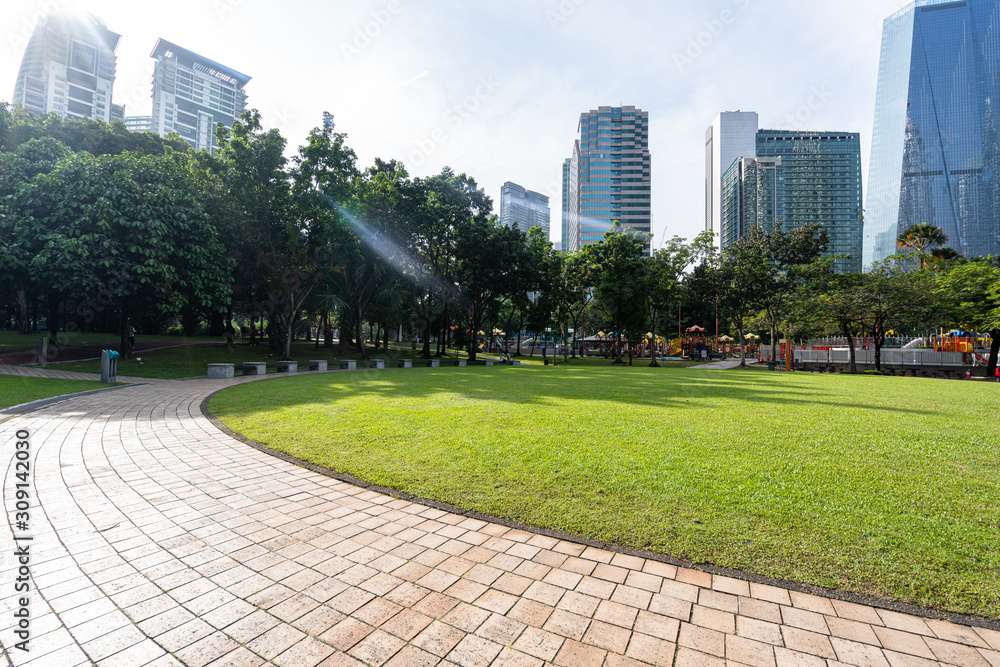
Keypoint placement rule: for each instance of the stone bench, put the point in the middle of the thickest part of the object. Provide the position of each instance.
(482, 362)
(433, 363)
(287, 367)
(377, 364)
(461, 363)
(221, 371)
(254, 368)
(405, 363)
(317, 364)
(348, 365)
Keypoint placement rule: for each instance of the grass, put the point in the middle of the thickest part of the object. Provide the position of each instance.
(882, 486)
(13, 341)
(193, 360)
(15, 389)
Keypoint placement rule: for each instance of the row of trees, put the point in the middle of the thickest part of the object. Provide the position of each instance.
(104, 229)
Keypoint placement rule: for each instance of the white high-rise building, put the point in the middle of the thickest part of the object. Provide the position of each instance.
(68, 68)
(191, 94)
(523, 209)
(733, 135)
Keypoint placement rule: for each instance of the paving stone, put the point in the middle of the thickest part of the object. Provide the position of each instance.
(438, 638)
(223, 555)
(539, 643)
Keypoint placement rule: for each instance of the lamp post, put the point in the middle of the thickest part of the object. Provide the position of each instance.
(572, 341)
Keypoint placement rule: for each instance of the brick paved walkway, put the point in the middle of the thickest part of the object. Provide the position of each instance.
(160, 540)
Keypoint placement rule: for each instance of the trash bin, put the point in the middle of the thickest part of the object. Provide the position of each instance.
(109, 367)
(770, 365)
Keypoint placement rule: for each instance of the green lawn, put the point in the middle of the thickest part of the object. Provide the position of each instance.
(15, 390)
(193, 360)
(883, 486)
(12, 341)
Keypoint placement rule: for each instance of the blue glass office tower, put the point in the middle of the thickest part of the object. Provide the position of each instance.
(799, 178)
(609, 175)
(935, 151)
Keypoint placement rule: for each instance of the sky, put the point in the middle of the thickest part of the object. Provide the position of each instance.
(495, 88)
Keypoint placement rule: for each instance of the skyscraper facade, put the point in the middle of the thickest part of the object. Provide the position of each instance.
(819, 182)
(799, 178)
(566, 180)
(749, 198)
(609, 174)
(935, 149)
(68, 68)
(523, 208)
(732, 135)
(191, 94)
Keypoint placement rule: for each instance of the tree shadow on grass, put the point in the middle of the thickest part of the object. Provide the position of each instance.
(653, 387)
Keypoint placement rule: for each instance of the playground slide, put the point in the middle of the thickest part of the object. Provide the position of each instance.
(914, 344)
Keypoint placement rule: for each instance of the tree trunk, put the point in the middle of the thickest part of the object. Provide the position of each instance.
(994, 352)
(743, 346)
(123, 332)
(652, 345)
(344, 328)
(426, 352)
(520, 328)
(774, 343)
(53, 323)
(850, 350)
(286, 344)
(230, 331)
(359, 331)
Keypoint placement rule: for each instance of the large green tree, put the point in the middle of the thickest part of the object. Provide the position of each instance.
(620, 284)
(970, 293)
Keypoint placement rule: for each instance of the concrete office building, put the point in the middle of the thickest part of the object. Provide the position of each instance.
(191, 94)
(732, 135)
(935, 146)
(68, 68)
(523, 209)
(139, 123)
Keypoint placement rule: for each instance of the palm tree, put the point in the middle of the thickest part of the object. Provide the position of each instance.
(944, 255)
(919, 237)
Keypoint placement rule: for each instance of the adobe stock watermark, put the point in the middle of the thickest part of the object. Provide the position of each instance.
(713, 30)
(225, 7)
(280, 119)
(365, 35)
(816, 100)
(19, 36)
(454, 118)
(563, 12)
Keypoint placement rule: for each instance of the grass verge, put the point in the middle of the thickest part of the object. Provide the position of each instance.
(193, 360)
(881, 486)
(15, 390)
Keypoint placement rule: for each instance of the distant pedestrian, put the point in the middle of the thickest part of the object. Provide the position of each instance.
(131, 336)
(968, 374)
(997, 373)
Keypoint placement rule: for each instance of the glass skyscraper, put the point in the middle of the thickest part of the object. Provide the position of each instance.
(523, 208)
(609, 175)
(799, 178)
(935, 151)
(732, 135)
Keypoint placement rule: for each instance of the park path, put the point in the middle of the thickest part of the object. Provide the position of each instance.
(160, 540)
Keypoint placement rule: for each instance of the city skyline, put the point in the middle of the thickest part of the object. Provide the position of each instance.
(501, 111)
